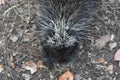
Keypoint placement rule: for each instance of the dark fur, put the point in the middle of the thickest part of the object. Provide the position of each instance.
(74, 14)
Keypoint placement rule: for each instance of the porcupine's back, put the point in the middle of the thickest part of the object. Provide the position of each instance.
(63, 23)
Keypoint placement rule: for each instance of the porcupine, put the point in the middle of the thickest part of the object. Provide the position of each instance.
(63, 23)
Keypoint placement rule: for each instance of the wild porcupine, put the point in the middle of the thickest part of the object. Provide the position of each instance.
(63, 23)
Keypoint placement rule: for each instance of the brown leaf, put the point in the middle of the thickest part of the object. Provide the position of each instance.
(100, 60)
(67, 76)
(39, 63)
(101, 42)
(2, 2)
(1, 68)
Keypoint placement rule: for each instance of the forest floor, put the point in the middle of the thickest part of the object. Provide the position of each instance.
(20, 49)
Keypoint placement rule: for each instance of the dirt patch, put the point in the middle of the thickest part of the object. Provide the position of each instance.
(20, 43)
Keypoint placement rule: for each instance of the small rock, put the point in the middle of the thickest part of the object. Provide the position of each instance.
(110, 69)
(2, 43)
(101, 42)
(14, 38)
(15, 53)
(12, 65)
(112, 45)
(26, 76)
(112, 37)
(39, 63)
(26, 39)
(78, 77)
(89, 78)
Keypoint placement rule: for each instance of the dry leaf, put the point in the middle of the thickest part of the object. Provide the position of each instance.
(39, 63)
(117, 56)
(101, 42)
(30, 66)
(1, 68)
(67, 76)
(100, 60)
(2, 2)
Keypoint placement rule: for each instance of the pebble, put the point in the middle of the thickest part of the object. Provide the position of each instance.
(14, 38)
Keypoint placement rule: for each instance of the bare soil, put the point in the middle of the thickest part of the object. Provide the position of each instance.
(20, 42)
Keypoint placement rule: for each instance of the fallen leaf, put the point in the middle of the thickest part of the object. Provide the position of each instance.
(39, 63)
(101, 42)
(2, 2)
(112, 45)
(117, 56)
(1, 68)
(100, 60)
(67, 76)
(30, 66)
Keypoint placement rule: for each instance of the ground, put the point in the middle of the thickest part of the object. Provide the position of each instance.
(20, 45)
